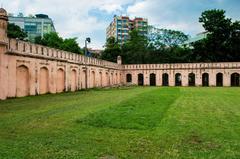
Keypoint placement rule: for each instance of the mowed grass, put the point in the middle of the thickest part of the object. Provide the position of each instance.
(138, 122)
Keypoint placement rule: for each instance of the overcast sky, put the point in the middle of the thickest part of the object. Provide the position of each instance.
(90, 18)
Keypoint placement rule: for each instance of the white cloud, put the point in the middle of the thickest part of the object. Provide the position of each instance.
(71, 17)
(167, 14)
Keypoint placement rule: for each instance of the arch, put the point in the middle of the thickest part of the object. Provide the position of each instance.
(111, 79)
(140, 79)
(205, 80)
(191, 79)
(152, 79)
(165, 79)
(116, 78)
(93, 81)
(73, 80)
(178, 79)
(219, 80)
(107, 79)
(83, 80)
(235, 80)
(129, 78)
(22, 81)
(60, 80)
(100, 79)
(44, 81)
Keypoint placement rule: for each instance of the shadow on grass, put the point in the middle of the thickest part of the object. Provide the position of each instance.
(141, 113)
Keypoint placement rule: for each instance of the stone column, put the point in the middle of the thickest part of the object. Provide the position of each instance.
(198, 78)
(159, 78)
(134, 77)
(185, 78)
(212, 78)
(227, 79)
(146, 78)
(171, 75)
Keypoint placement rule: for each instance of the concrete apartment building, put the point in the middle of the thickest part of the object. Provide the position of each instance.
(37, 25)
(120, 27)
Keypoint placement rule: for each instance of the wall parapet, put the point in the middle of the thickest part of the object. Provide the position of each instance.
(179, 66)
(22, 48)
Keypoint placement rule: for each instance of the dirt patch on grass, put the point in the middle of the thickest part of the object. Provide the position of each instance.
(197, 142)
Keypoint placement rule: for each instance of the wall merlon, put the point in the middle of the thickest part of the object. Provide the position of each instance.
(29, 49)
(222, 65)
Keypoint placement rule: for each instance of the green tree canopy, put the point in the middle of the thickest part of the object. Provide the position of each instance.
(51, 40)
(14, 31)
(112, 50)
(165, 37)
(71, 45)
(167, 46)
(140, 49)
(55, 41)
(135, 49)
(222, 42)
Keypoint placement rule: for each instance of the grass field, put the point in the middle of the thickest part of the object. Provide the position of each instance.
(138, 122)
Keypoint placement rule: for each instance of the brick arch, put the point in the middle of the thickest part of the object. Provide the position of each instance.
(73, 80)
(129, 78)
(205, 79)
(152, 79)
(83, 80)
(219, 79)
(111, 79)
(100, 79)
(107, 79)
(191, 79)
(165, 79)
(44, 81)
(23, 79)
(60, 80)
(140, 79)
(178, 79)
(116, 78)
(235, 79)
(93, 79)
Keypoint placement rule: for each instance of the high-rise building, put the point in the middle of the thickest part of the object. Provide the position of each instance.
(37, 25)
(120, 27)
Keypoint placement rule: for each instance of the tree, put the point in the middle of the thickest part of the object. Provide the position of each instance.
(166, 37)
(140, 49)
(51, 40)
(112, 50)
(71, 45)
(55, 41)
(135, 50)
(222, 42)
(166, 46)
(14, 31)
(234, 41)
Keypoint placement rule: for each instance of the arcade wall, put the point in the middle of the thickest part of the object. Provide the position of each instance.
(30, 69)
(186, 74)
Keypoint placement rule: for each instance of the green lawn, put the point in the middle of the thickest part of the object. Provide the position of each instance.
(138, 122)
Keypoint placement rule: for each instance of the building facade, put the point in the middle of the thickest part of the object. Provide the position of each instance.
(30, 69)
(120, 27)
(35, 26)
